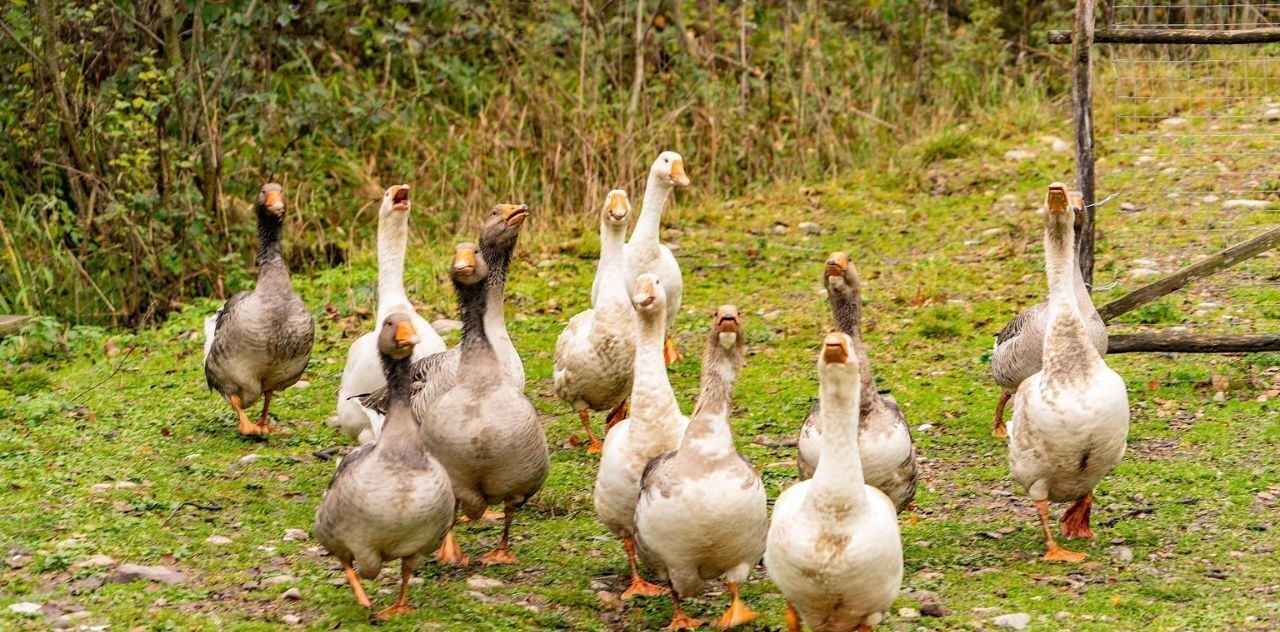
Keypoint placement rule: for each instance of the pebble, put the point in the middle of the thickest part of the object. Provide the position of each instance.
(276, 580)
(93, 561)
(217, 540)
(480, 582)
(1014, 621)
(813, 228)
(1144, 273)
(1122, 554)
(1210, 199)
(291, 619)
(599, 585)
(249, 458)
(1061, 146)
(301, 384)
(126, 573)
(291, 535)
(609, 600)
(1249, 204)
(126, 485)
(100, 487)
(909, 614)
(1128, 206)
(1019, 154)
(293, 594)
(24, 607)
(1062, 615)
(924, 428)
(1173, 121)
(1272, 115)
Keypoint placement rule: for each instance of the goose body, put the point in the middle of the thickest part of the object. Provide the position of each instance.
(260, 341)
(834, 548)
(702, 511)
(644, 252)
(655, 426)
(1018, 351)
(391, 499)
(363, 372)
(595, 352)
(1070, 419)
(885, 447)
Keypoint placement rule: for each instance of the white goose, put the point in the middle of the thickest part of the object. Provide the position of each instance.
(834, 548)
(1071, 419)
(702, 511)
(363, 372)
(595, 352)
(644, 252)
(656, 425)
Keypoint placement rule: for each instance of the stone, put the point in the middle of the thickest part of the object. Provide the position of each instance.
(1019, 154)
(127, 573)
(126, 485)
(291, 619)
(1247, 204)
(909, 614)
(1128, 206)
(813, 228)
(301, 384)
(1062, 615)
(1144, 273)
(1272, 114)
(217, 540)
(293, 594)
(1173, 122)
(249, 458)
(24, 607)
(1060, 146)
(93, 561)
(100, 488)
(276, 580)
(924, 428)
(1122, 554)
(293, 535)
(480, 582)
(1014, 621)
(609, 600)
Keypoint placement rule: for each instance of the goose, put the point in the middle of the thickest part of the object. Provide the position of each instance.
(885, 447)
(595, 351)
(1071, 418)
(834, 549)
(702, 511)
(483, 428)
(644, 252)
(391, 499)
(655, 425)
(362, 373)
(259, 342)
(1017, 352)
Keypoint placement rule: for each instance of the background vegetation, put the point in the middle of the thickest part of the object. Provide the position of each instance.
(132, 135)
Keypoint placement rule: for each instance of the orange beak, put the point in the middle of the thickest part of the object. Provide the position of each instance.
(835, 349)
(646, 292)
(678, 175)
(837, 264)
(400, 198)
(275, 201)
(464, 261)
(1056, 200)
(405, 335)
(727, 319)
(514, 214)
(618, 205)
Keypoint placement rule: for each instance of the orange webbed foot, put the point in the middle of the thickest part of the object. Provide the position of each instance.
(500, 555)
(450, 553)
(595, 447)
(682, 621)
(737, 614)
(641, 588)
(393, 611)
(1059, 554)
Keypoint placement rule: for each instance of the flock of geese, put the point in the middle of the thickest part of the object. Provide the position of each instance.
(443, 430)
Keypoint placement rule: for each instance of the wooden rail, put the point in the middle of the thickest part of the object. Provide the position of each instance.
(1265, 35)
(1182, 342)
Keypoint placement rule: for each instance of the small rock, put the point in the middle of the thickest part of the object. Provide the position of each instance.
(609, 600)
(302, 384)
(991, 232)
(780, 228)
(1128, 206)
(249, 458)
(446, 325)
(293, 594)
(910, 614)
(1271, 115)
(217, 540)
(1062, 615)
(1144, 273)
(276, 580)
(126, 485)
(1210, 199)
(24, 607)
(924, 544)
(293, 535)
(480, 582)
(1122, 554)
(933, 609)
(813, 228)
(924, 428)
(1019, 154)
(291, 619)
(126, 573)
(93, 561)
(1015, 621)
(1173, 121)
(1248, 204)
(100, 488)
(599, 586)
(1061, 146)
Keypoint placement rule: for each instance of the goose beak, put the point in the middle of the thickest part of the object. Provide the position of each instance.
(835, 349)
(514, 214)
(618, 205)
(678, 175)
(727, 319)
(274, 201)
(405, 335)
(400, 198)
(646, 292)
(1056, 200)
(464, 261)
(837, 264)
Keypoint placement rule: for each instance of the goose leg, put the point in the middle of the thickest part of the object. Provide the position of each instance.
(402, 605)
(489, 515)
(594, 447)
(793, 619)
(997, 427)
(264, 424)
(450, 553)
(354, 580)
(502, 554)
(1055, 552)
(669, 352)
(1075, 523)
(680, 620)
(738, 612)
(638, 586)
(246, 427)
(616, 416)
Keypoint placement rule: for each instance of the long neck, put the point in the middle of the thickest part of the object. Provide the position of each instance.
(495, 322)
(613, 291)
(475, 343)
(652, 400)
(393, 233)
(655, 199)
(271, 266)
(846, 308)
(1083, 298)
(709, 433)
(1065, 341)
(401, 427)
(837, 486)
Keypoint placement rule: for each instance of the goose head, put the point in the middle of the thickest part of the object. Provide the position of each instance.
(468, 266)
(669, 168)
(1075, 200)
(271, 200)
(502, 226)
(838, 364)
(617, 208)
(727, 325)
(395, 200)
(397, 338)
(649, 298)
(840, 275)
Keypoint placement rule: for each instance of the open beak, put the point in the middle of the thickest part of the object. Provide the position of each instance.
(464, 261)
(275, 201)
(618, 206)
(837, 264)
(646, 292)
(1056, 200)
(835, 349)
(400, 198)
(514, 214)
(678, 175)
(405, 335)
(727, 321)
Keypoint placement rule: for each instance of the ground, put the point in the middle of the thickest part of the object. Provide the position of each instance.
(129, 456)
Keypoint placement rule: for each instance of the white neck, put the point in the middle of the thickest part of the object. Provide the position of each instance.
(838, 484)
(653, 403)
(393, 233)
(1065, 340)
(656, 191)
(613, 291)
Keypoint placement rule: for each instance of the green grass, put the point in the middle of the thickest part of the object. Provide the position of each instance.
(937, 287)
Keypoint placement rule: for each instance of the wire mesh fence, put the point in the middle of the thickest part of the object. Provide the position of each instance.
(1188, 136)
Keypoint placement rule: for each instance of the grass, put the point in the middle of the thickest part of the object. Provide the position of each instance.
(944, 265)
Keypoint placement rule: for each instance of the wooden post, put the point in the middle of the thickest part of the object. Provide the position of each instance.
(1082, 107)
(12, 324)
(1182, 342)
(1265, 35)
(1225, 259)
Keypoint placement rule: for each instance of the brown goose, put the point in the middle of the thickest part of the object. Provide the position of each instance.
(260, 341)
(391, 499)
(1018, 350)
(887, 453)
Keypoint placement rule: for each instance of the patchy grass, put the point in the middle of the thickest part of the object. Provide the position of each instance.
(99, 455)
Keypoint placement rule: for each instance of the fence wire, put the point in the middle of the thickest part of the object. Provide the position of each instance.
(1193, 152)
